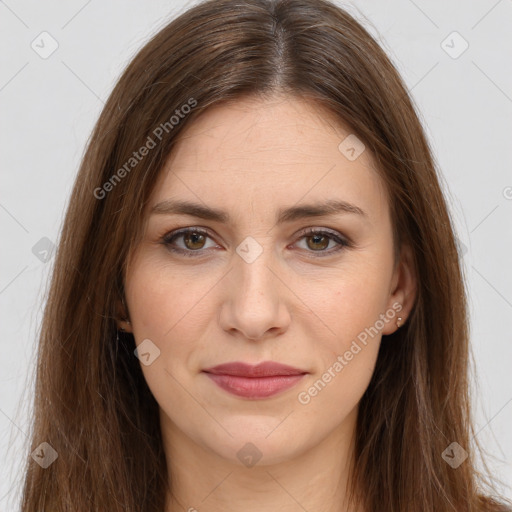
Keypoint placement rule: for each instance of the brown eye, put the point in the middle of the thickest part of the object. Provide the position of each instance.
(188, 242)
(318, 242)
(194, 240)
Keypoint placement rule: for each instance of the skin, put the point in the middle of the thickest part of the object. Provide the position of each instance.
(291, 305)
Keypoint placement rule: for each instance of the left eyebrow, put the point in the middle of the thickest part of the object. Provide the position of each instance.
(330, 207)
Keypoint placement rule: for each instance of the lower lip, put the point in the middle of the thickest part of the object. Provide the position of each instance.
(255, 387)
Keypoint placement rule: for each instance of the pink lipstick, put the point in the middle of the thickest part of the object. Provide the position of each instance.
(254, 382)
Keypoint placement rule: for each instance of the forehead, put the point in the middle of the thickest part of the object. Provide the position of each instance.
(256, 153)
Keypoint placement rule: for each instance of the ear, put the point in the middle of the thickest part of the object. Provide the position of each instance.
(403, 290)
(122, 316)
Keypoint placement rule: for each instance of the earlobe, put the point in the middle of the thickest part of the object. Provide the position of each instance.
(122, 317)
(403, 292)
(124, 325)
(395, 319)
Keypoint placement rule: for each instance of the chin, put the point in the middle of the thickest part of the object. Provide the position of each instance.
(263, 441)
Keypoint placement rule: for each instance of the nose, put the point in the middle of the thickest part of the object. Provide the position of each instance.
(255, 304)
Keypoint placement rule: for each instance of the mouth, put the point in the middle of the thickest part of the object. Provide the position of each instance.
(255, 381)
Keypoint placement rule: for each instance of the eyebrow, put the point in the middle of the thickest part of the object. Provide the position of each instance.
(330, 207)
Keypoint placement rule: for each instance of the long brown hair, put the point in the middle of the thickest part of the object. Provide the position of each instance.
(92, 404)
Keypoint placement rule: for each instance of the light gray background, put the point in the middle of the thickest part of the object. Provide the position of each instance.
(48, 108)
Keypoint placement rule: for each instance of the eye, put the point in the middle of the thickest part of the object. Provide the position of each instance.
(319, 239)
(194, 240)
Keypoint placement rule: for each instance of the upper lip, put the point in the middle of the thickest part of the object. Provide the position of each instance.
(265, 369)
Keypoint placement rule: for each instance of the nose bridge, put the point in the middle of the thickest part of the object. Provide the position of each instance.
(252, 272)
(253, 303)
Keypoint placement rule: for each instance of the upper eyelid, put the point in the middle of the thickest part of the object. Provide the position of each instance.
(309, 231)
(183, 231)
(207, 231)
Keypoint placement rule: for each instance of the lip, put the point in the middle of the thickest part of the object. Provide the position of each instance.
(255, 381)
(265, 369)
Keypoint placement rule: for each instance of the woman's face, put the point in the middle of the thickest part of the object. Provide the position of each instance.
(250, 284)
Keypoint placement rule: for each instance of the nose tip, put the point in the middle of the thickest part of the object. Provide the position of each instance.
(272, 331)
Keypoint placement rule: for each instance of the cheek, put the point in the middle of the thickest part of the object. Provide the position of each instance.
(163, 300)
(348, 303)
(349, 350)
(166, 307)
(173, 309)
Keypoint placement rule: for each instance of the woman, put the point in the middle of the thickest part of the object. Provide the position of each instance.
(257, 301)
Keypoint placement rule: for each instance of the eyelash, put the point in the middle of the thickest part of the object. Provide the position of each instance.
(170, 237)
